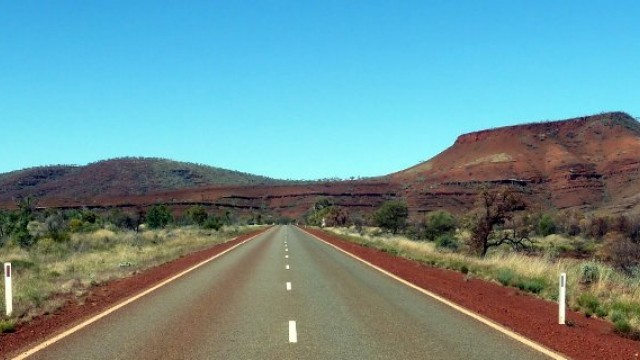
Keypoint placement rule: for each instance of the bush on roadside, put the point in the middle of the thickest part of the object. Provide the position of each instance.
(621, 251)
(546, 225)
(158, 217)
(213, 223)
(505, 276)
(197, 215)
(589, 273)
(392, 216)
(589, 303)
(622, 327)
(447, 242)
(534, 285)
(439, 223)
(7, 326)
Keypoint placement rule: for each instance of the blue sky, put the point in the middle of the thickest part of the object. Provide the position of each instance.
(297, 89)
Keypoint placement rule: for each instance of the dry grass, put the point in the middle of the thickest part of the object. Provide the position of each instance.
(593, 287)
(87, 259)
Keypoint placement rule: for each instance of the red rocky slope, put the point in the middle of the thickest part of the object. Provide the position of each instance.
(591, 162)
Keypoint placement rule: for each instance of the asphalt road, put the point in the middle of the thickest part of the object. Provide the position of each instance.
(286, 295)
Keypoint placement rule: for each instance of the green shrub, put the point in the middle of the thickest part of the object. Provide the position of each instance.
(617, 315)
(589, 273)
(24, 239)
(212, 223)
(464, 269)
(505, 276)
(622, 326)
(588, 302)
(447, 241)
(392, 216)
(535, 285)
(7, 326)
(438, 224)
(197, 214)
(75, 225)
(626, 307)
(390, 250)
(35, 295)
(546, 225)
(602, 312)
(158, 216)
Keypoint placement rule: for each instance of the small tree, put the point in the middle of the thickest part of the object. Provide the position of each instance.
(621, 251)
(197, 214)
(213, 223)
(493, 223)
(158, 216)
(568, 221)
(439, 223)
(392, 216)
(4, 223)
(546, 225)
(4, 227)
(89, 216)
(126, 220)
(598, 227)
(336, 216)
(26, 207)
(55, 225)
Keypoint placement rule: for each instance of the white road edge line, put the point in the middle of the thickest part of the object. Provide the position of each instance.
(532, 344)
(90, 321)
(293, 332)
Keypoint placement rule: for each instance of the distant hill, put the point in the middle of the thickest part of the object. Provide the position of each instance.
(591, 162)
(119, 177)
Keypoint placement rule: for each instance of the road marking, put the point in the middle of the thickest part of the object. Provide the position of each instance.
(288, 286)
(286, 250)
(286, 256)
(293, 333)
(287, 267)
(532, 344)
(88, 322)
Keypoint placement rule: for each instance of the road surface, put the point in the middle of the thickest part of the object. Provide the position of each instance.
(286, 295)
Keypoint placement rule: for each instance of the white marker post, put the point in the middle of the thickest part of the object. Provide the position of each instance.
(562, 299)
(8, 294)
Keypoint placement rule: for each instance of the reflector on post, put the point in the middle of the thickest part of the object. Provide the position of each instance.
(562, 299)
(8, 294)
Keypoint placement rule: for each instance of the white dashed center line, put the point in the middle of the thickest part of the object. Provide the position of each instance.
(293, 333)
(286, 256)
(287, 267)
(288, 286)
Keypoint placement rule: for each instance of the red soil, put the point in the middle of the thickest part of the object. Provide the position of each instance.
(527, 315)
(100, 298)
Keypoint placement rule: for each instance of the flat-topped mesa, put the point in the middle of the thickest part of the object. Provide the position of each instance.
(552, 128)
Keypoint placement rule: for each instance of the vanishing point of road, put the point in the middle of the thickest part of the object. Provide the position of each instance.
(286, 295)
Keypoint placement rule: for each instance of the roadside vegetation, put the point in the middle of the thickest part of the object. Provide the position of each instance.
(56, 253)
(502, 240)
